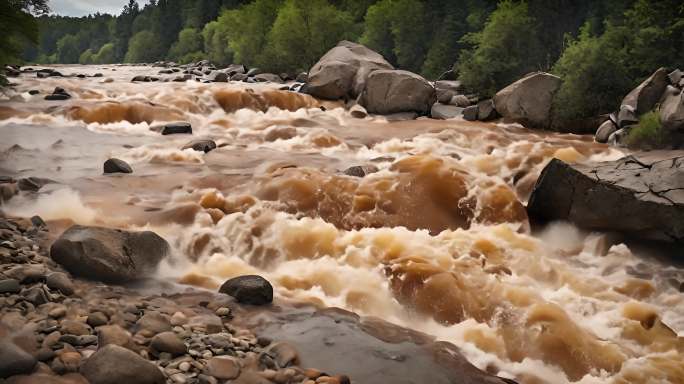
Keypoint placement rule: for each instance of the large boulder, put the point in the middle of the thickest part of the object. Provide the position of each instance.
(641, 194)
(672, 110)
(14, 360)
(394, 91)
(115, 365)
(109, 255)
(444, 112)
(644, 97)
(528, 100)
(249, 289)
(343, 70)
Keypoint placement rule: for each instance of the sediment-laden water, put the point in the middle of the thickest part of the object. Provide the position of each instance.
(435, 237)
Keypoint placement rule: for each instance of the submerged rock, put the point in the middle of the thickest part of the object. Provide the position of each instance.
(249, 289)
(528, 100)
(116, 166)
(395, 91)
(176, 128)
(642, 195)
(343, 70)
(204, 145)
(109, 255)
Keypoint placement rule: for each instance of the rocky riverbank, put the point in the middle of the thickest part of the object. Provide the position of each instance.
(55, 328)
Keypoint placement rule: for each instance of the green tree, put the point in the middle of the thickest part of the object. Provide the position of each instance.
(507, 48)
(189, 42)
(105, 55)
(302, 32)
(68, 50)
(143, 47)
(17, 28)
(247, 28)
(397, 30)
(87, 57)
(216, 43)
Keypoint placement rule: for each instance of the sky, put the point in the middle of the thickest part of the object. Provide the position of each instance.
(86, 7)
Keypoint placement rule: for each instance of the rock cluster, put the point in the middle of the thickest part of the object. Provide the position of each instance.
(54, 329)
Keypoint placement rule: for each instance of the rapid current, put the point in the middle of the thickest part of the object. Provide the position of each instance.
(434, 238)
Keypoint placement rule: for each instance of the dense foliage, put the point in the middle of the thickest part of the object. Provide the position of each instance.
(600, 48)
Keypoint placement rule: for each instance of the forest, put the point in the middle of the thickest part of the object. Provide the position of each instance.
(600, 48)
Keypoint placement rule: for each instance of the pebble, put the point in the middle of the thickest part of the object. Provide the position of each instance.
(61, 282)
(226, 368)
(178, 318)
(184, 366)
(113, 334)
(58, 312)
(113, 364)
(96, 319)
(168, 342)
(154, 322)
(73, 327)
(223, 312)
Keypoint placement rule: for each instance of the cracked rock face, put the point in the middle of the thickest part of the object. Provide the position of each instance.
(641, 194)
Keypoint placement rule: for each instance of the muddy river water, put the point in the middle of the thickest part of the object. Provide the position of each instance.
(434, 238)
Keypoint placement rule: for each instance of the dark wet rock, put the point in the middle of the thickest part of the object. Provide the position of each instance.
(9, 286)
(249, 289)
(165, 72)
(443, 112)
(14, 360)
(38, 222)
(234, 69)
(116, 365)
(204, 145)
(219, 77)
(470, 113)
(672, 110)
(486, 110)
(33, 92)
(168, 342)
(627, 116)
(645, 96)
(642, 195)
(360, 170)
(302, 77)
(394, 91)
(58, 97)
(176, 128)
(60, 281)
(357, 111)
(604, 131)
(239, 77)
(109, 255)
(35, 295)
(268, 78)
(116, 166)
(343, 70)
(528, 100)
(32, 184)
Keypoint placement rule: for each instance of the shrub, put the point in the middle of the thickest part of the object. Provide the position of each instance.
(649, 133)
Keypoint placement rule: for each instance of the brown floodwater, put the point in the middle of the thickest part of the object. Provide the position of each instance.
(435, 239)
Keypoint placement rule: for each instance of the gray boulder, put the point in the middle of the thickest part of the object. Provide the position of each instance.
(394, 91)
(459, 101)
(343, 70)
(115, 365)
(486, 110)
(604, 131)
(218, 77)
(641, 195)
(268, 78)
(249, 289)
(528, 100)
(109, 255)
(443, 112)
(672, 110)
(644, 97)
(627, 116)
(470, 113)
(675, 77)
(234, 69)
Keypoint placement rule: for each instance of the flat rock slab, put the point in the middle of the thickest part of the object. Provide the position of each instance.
(641, 194)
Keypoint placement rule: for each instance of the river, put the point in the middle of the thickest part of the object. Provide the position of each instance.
(435, 238)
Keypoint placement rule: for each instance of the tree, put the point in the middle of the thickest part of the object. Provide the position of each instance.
(143, 47)
(188, 46)
(105, 55)
(86, 57)
(18, 27)
(216, 43)
(68, 51)
(396, 29)
(123, 28)
(247, 28)
(507, 48)
(302, 32)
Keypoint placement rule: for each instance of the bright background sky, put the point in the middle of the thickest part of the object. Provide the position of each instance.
(86, 7)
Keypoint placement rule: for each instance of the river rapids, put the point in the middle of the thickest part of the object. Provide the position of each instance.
(434, 238)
